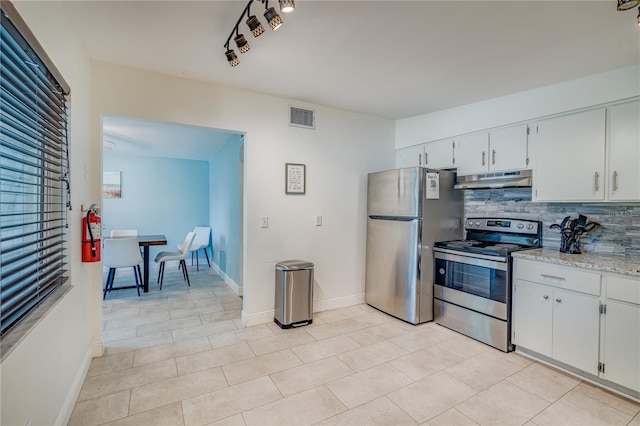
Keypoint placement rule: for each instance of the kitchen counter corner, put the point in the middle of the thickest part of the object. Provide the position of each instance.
(596, 262)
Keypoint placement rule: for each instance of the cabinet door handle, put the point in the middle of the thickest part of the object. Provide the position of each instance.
(493, 156)
(420, 159)
(558, 300)
(545, 297)
(615, 181)
(597, 176)
(426, 158)
(484, 154)
(552, 277)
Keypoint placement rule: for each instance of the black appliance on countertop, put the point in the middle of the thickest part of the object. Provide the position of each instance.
(472, 284)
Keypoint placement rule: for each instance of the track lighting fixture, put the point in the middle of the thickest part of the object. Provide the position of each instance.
(255, 26)
(639, 16)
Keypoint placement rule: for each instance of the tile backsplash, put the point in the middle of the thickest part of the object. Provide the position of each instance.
(619, 234)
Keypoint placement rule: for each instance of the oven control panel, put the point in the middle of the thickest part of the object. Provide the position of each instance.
(521, 226)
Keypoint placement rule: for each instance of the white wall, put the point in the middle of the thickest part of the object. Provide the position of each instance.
(40, 377)
(159, 196)
(585, 92)
(341, 151)
(226, 183)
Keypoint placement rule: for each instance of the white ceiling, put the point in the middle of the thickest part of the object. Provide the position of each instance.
(132, 136)
(393, 59)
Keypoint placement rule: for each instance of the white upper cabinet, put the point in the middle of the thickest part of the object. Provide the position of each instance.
(410, 156)
(472, 153)
(499, 150)
(439, 154)
(589, 156)
(508, 149)
(569, 157)
(623, 136)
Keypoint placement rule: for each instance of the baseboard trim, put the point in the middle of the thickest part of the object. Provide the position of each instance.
(72, 395)
(97, 349)
(227, 279)
(339, 302)
(265, 317)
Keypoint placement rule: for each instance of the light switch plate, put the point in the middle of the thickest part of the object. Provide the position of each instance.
(264, 222)
(318, 220)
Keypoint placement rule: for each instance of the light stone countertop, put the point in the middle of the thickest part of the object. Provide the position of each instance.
(597, 262)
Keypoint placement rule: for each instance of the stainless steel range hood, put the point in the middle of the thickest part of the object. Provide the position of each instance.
(517, 179)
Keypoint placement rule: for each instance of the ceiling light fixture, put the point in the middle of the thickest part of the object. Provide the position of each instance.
(242, 43)
(274, 20)
(627, 4)
(232, 58)
(287, 6)
(255, 26)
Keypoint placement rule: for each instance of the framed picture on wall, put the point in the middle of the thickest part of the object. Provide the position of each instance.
(111, 185)
(295, 178)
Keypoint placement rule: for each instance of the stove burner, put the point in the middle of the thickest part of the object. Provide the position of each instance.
(463, 243)
(505, 246)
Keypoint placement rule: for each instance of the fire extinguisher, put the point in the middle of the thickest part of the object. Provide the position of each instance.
(91, 235)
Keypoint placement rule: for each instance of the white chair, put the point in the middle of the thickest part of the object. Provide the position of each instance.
(180, 255)
(121, 253)
(201, 242)
(124, 233)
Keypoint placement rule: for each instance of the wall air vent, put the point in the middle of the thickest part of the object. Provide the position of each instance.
(300, 117)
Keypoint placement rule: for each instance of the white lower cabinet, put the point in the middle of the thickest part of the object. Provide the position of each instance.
(621, 333)
(585, 320)
(576, 324)
(532, 316)
(557, 323)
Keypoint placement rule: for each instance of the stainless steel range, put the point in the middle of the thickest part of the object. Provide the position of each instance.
(472, 290)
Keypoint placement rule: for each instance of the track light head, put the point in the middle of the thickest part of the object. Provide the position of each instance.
(255, 26)
(287, 6)
(627, 4)
(274, 20)
(232, 58)
(242, 43)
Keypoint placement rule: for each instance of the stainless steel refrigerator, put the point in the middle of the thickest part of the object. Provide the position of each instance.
(408, 210)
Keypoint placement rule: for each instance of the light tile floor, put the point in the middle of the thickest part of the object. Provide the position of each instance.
(181, 356)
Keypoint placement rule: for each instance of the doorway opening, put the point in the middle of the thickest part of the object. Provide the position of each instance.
(173, 177)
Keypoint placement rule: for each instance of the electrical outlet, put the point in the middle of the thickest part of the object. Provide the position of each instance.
(318, 220)
(264, 222)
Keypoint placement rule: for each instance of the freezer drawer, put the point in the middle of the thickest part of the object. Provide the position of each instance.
(393, 267)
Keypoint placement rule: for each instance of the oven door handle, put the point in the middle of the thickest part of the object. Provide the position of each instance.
(492, 264)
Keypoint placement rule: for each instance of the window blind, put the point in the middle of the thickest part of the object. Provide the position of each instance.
(34, 171)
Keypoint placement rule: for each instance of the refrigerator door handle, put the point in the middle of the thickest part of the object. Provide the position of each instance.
(402, 219)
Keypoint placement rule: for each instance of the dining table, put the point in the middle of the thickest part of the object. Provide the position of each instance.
(146, 241)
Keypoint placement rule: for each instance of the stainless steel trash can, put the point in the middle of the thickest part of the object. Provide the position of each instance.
(294, 293)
